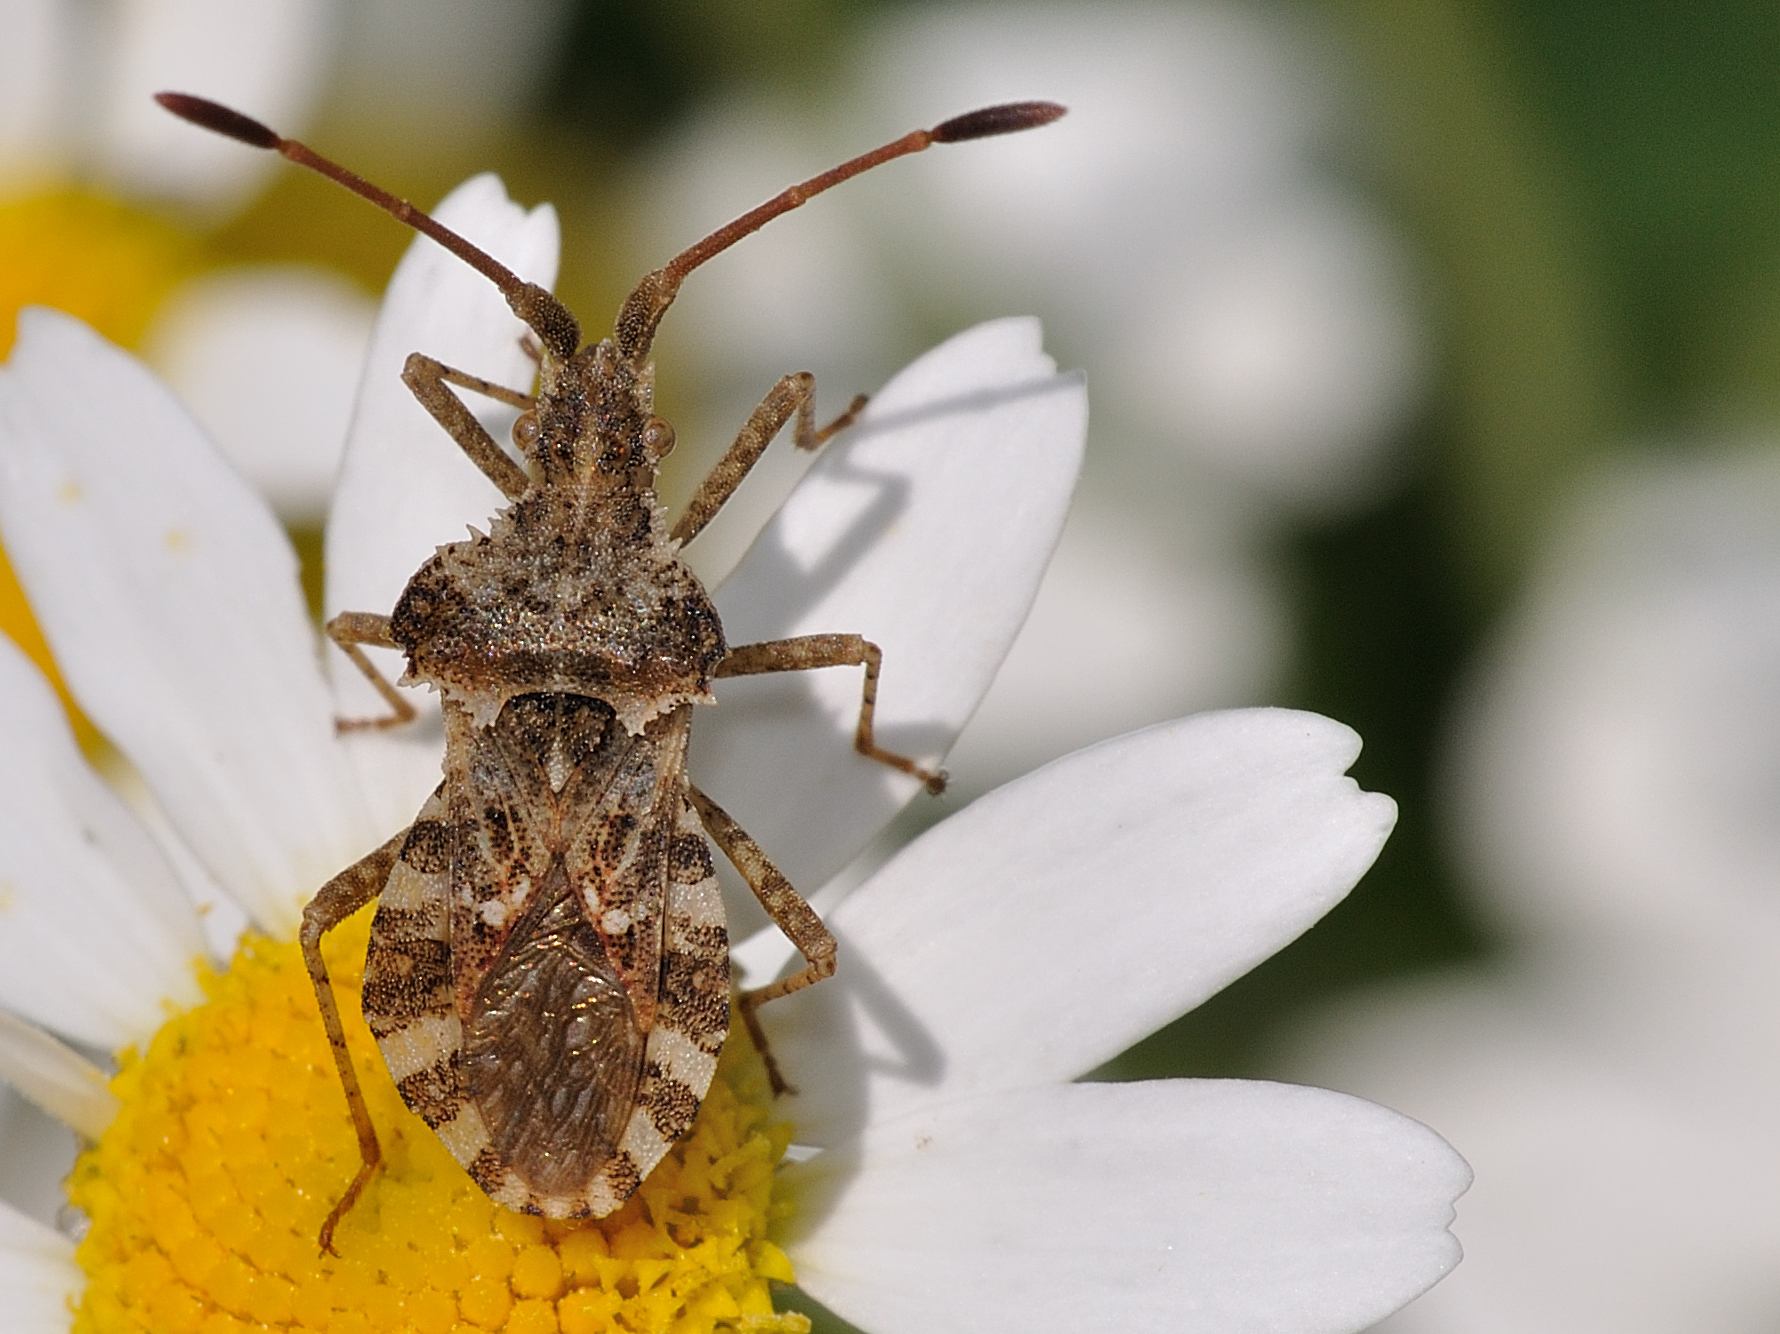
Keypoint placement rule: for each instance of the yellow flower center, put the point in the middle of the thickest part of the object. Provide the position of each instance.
(103, 261)
(206, 1194)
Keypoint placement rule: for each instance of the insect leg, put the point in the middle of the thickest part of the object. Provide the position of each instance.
(333, 903)
(805, 652)
(429, 381)
(789, 911)
(350, 630)
(796, 393)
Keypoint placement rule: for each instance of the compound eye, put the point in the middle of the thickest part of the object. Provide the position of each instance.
(658, 439)
(525, 430)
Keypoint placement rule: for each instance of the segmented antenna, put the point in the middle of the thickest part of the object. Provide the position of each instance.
(644, 307)
(542, 312)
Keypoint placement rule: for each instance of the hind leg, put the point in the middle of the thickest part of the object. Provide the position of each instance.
(333, 903)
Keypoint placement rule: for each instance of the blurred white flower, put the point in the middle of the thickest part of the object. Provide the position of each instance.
(435, 72)
(1645, 677)
(1243, 312)
(1183, 228)
(266, 356)
(1617, 774)
(76, 83)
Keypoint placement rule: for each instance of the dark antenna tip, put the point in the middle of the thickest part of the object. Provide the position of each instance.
(214, 116)
(1008, 118)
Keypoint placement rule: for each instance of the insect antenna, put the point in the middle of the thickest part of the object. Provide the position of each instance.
(644, 307)
(539, 309)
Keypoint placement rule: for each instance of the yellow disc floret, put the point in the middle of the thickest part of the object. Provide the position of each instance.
(206, 1194)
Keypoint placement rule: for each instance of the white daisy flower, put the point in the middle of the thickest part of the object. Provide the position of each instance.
(105, 199)
(957, 1176)
(1612, 1076)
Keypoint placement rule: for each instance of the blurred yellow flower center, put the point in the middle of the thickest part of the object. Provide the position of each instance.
(111, 265)
(108, 263)
(206, 1193)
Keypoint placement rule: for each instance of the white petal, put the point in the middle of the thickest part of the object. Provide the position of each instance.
(55, 1077)
(1182, 1205)
(95, 930)
(925, 528)
(39, 1280)
(405, 487)
(264, 58)
(169, 595)
(1061, 918)
(267, 358)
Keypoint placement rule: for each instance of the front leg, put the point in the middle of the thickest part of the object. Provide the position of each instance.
(795, 393)
(429, 380)
(333, 903)
(805, 652)
(790, 912)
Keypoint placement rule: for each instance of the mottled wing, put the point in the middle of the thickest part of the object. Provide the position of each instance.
(549, 972)
(507, 788)
(552, 1057)
(633, 854)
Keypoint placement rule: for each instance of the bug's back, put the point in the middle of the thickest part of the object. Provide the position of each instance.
(548, 974)
(549, 949)
(575, 588)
